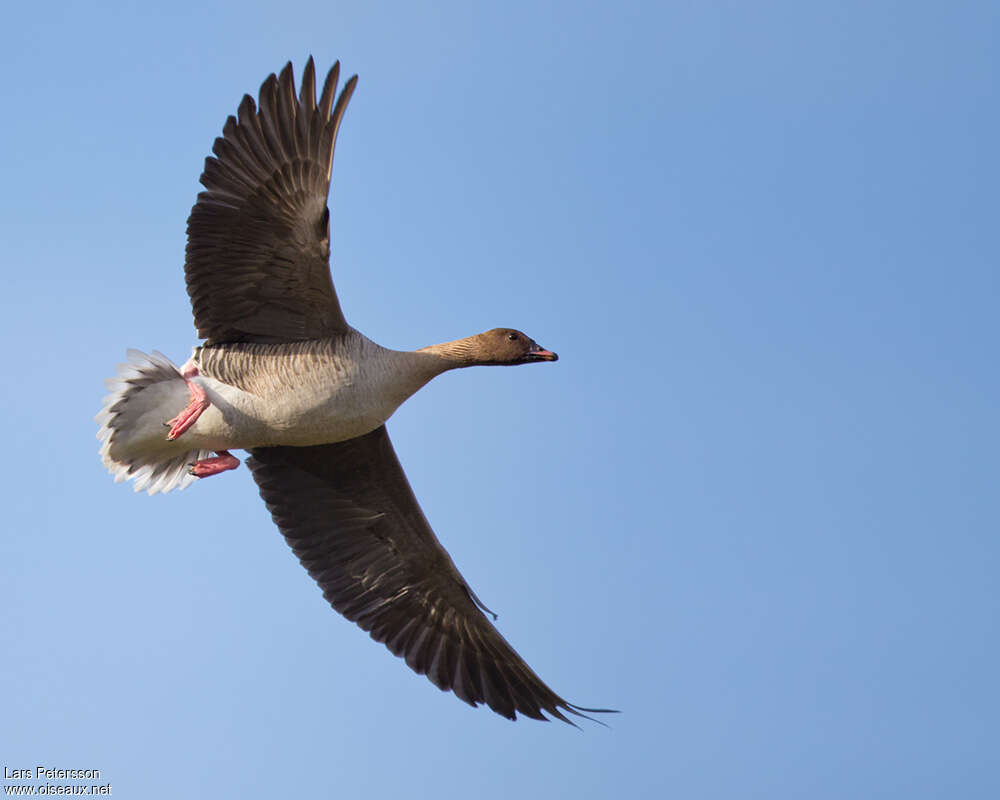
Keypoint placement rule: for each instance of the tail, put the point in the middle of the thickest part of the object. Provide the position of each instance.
(148, 390)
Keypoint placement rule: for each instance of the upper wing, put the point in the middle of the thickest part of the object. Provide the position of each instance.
(349, 514)
(258, 248)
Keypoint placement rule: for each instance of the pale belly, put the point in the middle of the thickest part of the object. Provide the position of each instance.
(239, 420)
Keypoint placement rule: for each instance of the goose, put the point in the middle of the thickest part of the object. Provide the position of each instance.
(280, 373)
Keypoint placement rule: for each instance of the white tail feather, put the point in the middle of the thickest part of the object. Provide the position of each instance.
(146, 392)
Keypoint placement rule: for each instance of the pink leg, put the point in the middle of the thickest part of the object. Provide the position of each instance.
(189, 416)
(223, 461)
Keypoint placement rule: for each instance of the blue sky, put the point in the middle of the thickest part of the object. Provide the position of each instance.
(754, 506)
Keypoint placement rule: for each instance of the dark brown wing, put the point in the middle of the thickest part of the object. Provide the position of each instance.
(258, 249)
(349, 514)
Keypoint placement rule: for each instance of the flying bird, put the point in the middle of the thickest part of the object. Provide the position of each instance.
(283, 375)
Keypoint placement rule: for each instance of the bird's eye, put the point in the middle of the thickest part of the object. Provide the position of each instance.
(512, 337)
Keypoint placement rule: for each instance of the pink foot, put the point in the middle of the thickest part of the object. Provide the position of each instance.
(222, 462)
(189, 416)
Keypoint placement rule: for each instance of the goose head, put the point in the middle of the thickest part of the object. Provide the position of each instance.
(499, 347)
(507, 347)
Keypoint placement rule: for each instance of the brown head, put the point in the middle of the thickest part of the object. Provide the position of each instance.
(507, 347)
(498, 347)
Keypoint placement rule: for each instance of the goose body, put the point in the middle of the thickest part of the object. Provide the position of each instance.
(302, 393)
(283, 375)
